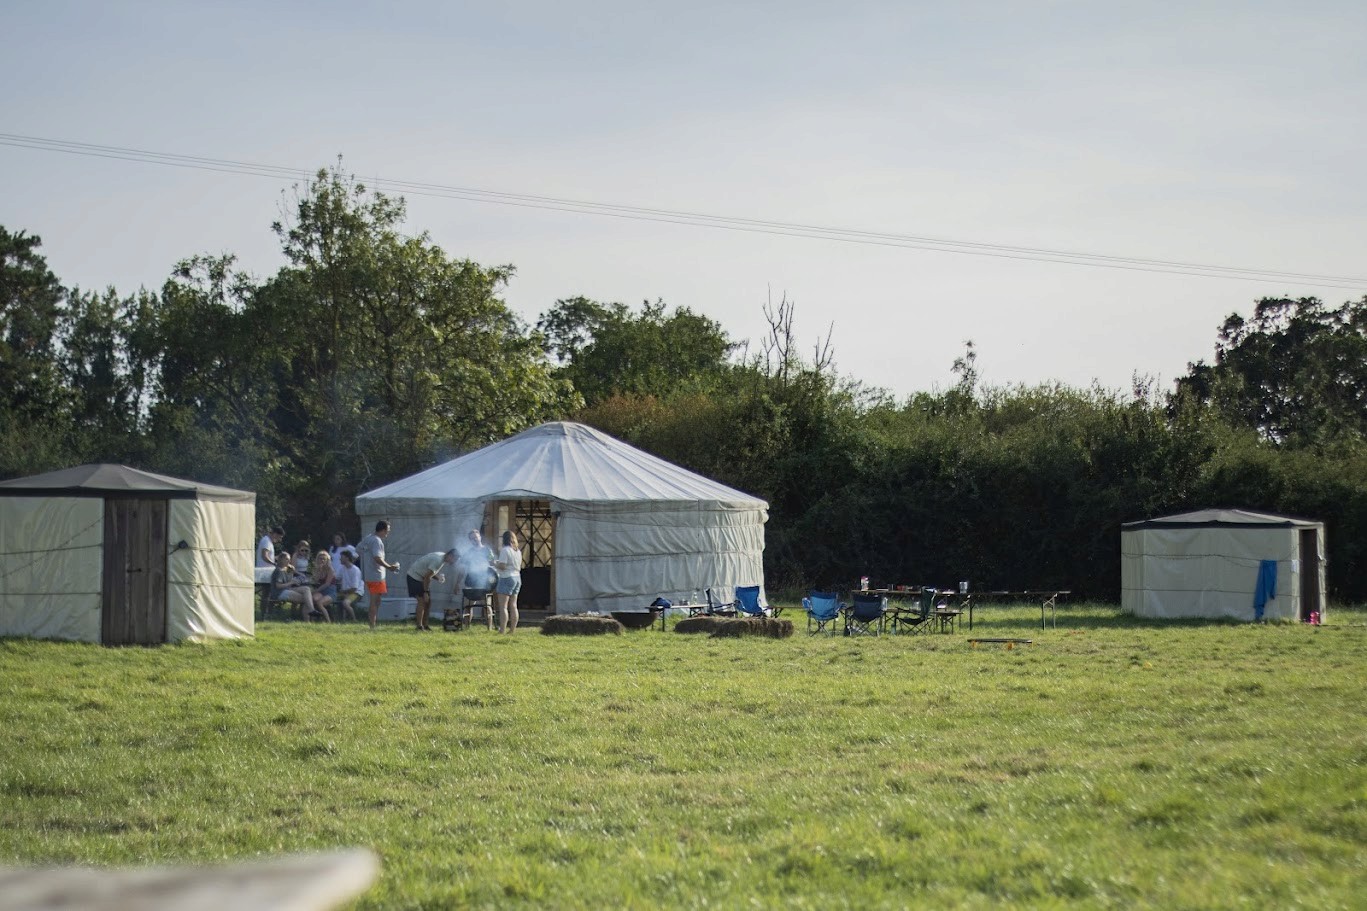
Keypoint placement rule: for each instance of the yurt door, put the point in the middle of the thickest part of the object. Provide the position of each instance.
(134, 572)
(534, 524)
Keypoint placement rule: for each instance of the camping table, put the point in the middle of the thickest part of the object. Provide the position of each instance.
(693, 610)
(1048, 600)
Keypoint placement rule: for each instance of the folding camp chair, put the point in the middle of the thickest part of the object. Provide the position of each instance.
(914, 618)
(823, 609)
(865, 616)
(713, 607)
(747, 603)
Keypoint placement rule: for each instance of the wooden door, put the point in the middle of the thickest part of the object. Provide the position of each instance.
(134, 578)
(1310, 573)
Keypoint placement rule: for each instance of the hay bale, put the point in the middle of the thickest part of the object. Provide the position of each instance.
(698, 624)
(754, 626)
(577, 625)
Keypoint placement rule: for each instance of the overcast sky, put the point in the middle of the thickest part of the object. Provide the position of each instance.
(1218, 133)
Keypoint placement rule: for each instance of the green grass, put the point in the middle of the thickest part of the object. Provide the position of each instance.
(1113, 763)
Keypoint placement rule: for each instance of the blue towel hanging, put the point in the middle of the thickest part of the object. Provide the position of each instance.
(1266, 589)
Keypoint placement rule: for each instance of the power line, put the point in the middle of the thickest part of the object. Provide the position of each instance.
(695, 219)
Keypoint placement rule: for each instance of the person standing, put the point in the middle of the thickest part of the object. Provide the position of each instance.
(424, 571)
(265, 548)
(265, 565)
(374, 566)
(509, 569)
(476, 573)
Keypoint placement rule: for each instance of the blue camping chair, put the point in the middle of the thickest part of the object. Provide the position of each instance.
(865, 616)
(823, 609)
(748, 602)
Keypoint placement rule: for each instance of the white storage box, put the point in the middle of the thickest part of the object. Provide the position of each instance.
(398, 608)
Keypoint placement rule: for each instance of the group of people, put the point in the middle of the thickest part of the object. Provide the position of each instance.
(336, 577)
(330, 579)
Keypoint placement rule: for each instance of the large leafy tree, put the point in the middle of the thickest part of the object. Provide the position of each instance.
(607, 349)
(105, 372)
(1295, 371)
(213, 360)
(31, 301)
(32, 399)
(390, 353)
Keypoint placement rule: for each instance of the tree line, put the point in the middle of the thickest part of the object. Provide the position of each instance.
(373, 353)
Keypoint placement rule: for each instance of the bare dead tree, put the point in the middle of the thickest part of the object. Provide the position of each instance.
(823, 352)
(778, 350)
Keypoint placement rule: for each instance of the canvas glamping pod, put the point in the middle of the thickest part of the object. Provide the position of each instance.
(1210, 563)
(603, 526)
(110, 554)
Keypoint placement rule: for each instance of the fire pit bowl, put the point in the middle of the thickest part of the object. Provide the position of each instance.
(635, 619)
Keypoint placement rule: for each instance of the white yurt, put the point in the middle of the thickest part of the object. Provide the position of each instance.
(110, 554)
(603, 526)
(1223, 563)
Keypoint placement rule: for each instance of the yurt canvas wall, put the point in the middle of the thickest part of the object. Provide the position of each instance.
(625, 526)
(1207, 564)
(105, 553)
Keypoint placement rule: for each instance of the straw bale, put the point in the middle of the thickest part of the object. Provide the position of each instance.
(754, 626)
(698, 624)
(577, 625)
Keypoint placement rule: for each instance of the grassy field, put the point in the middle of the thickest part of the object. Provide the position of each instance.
(1112, 763)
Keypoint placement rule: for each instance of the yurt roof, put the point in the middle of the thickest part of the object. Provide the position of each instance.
(560, 461)
(1223, 518)
(103, 481)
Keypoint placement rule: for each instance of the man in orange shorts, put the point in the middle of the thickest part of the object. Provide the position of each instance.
(373, 566)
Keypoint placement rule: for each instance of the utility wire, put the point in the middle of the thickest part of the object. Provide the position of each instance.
(696, 219)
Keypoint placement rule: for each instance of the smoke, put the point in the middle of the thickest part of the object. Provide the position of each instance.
(473, 564)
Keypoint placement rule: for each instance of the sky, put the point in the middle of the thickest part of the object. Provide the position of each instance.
(1228, 134)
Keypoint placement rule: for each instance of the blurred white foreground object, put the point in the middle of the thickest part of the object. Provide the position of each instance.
(301, 882)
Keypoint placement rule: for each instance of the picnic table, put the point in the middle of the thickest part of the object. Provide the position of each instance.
(1047, 597)
(958, 602)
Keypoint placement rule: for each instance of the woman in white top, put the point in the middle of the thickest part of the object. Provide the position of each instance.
(339, 547)
(508, 565)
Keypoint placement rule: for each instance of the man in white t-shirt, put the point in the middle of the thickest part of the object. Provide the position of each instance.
(373, 566)
(424, 571)
(265, 548)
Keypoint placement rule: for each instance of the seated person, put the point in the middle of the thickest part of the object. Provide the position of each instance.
(287, 585)
(339, 547)
(303, 557)
(324, 584)
(349, 585)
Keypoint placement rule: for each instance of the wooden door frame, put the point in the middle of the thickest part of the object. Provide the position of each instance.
(1309, 596)
(115, 571)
